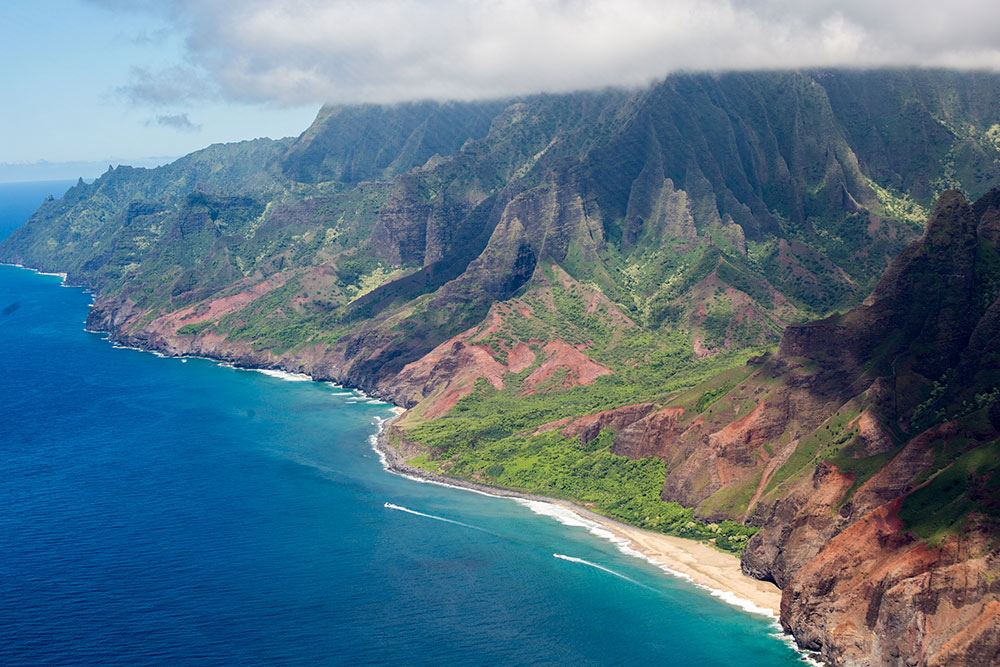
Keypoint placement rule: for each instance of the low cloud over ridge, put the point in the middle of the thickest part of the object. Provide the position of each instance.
(290, 52)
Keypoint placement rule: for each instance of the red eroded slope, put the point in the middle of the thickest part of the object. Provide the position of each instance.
(560, 354)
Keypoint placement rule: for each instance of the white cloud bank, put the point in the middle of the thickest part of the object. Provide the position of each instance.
(290, 52)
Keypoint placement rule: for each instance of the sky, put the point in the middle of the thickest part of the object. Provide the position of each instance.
(65, 66)
(94, 82)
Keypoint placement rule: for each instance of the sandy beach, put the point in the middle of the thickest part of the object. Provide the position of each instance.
(700, 563)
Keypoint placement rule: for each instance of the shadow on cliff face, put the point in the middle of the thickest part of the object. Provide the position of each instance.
(869, 458)
(865, 449)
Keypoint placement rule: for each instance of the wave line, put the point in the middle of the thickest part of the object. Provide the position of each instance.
(574, 559)
(400, 508)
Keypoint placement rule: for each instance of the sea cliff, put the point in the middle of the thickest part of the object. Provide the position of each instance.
(666, 303)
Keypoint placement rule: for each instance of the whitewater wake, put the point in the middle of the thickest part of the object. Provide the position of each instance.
(400, 508)
(574, 559)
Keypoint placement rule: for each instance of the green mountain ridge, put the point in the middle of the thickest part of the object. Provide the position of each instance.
(577, 295)
(756, 165)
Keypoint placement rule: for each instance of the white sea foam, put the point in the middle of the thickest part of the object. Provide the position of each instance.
(737, 601)
(57, 274)
(804, 655)
(400, 508)
(581, 561)
(373, 440)
(120, 346)
(570, 518)
(284, 375)
(561, 514)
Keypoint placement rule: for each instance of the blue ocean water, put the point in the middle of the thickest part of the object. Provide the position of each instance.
(160, 511)
(19, 200)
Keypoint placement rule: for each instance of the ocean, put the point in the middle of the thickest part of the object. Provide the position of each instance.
(163, 511)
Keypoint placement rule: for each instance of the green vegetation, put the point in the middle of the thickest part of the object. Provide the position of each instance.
(899, 205)
(932, 411)
(194, 328)
(968, 489)
(592, 476)
(719, 387)
(487, 437)
(630, 225)
(862, 468)
(490, 414)
(716, 323)
(747, 282)
(826, 442)
(731, 500)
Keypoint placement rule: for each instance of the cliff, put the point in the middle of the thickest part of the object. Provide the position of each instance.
(722, 206)
(865, 451)
(581, 295)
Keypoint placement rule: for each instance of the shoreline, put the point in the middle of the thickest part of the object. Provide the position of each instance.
(696, 562)
(716, 572)
(58, 274)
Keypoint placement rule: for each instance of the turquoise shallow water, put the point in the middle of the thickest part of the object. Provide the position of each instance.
(166, 511)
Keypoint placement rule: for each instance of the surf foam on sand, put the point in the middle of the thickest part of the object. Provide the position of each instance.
(697, 563)
(715, 572)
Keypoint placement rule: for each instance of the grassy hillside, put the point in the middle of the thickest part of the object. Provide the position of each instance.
(507, 264)
(710, 307)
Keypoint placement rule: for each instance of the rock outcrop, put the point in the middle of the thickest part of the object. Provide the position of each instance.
(430, 253)
(881, 534)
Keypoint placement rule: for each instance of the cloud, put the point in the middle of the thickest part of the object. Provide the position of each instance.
(290, 52)
(175, 84)
(178, 121)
